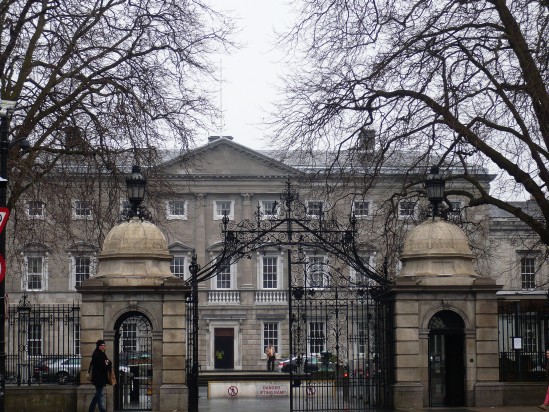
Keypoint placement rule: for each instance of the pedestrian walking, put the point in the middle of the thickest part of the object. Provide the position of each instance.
(545, 403)
(99, 370)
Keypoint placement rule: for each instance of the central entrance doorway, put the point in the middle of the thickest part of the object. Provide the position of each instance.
(446, 360)
(224, 348)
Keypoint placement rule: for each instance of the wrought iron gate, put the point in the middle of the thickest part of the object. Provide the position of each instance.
(340, 343)
(134, 364)
(339, 340)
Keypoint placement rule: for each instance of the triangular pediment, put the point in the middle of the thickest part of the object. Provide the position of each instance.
(224, 157)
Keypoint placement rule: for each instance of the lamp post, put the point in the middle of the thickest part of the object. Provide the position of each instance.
(434, 186)
(192, 375)
(135, 186)
(6, 109)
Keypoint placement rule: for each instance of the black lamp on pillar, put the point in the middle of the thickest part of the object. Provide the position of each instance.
(135, 185)
(434, 186)
(192, 374)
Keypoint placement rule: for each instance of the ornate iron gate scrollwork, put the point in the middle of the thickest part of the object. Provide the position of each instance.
(338, 338)
(339, 323)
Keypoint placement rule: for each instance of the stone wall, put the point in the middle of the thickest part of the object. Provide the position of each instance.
(41, 398)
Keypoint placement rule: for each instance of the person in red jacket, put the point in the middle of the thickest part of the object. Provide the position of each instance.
(99, 367)
(545, 403)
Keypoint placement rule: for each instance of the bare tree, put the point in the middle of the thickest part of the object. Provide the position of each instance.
(93, 79)
(459, 83)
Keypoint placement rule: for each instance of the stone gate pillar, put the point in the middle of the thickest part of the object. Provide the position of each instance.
(445, 320)
(134, 279)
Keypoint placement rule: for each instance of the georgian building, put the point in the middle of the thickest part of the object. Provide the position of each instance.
(58, 230)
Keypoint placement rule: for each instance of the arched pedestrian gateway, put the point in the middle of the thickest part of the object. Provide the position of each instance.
(445, 320)
(133, 361)
(446, 359)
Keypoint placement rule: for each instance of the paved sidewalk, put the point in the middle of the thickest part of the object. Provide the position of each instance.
(283, 404)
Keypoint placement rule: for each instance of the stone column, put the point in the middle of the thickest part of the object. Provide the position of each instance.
(438, 281)
(247, 267)
(134, 280)
(408, 389)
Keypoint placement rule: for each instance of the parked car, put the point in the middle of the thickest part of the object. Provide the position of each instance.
(310, 364)
(60, 370)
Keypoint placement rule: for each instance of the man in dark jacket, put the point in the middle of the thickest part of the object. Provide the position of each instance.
(99, 367)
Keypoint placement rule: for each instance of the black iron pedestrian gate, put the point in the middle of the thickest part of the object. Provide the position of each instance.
(133, 361)
(339, 331)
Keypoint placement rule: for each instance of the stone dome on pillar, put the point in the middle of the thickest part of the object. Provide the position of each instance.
(438, 252)
(135, 253)
(134, 285)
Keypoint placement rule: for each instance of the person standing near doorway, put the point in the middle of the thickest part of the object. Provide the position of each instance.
(99, 368)
(545, 405)
(271, 357)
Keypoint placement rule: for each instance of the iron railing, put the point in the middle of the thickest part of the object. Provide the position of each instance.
(523, 334)
(43, 344)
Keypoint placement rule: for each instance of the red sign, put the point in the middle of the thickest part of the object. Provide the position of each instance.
(4, 214)
(2, 268)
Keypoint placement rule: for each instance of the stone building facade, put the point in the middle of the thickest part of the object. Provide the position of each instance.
(245, 307)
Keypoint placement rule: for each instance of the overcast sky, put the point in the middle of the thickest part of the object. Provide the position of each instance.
(250, 73)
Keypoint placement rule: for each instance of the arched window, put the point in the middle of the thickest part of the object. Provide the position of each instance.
(446, 320)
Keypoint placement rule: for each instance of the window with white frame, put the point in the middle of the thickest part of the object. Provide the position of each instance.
(269, 208)
(223, 279)
(176, 209)
(125, 205)
(223, 207)
(455, 206)
(358, 278)
(82, 209)
(270, 335)
(361, 209)
(35, 339)
(361, 337)
(454, 210)
(407, 209)
(76, 336)
(35, 278)
(315, 208)
(269, 272)
(317, 272)
(82, 267)
(317, 340)
(528, 272)
(398, 266)
(530, 344)
(179, 267)
(36, 209)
